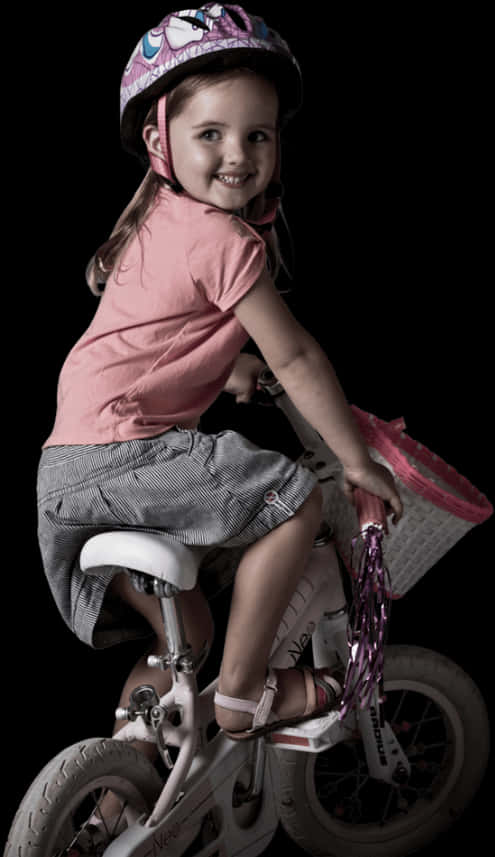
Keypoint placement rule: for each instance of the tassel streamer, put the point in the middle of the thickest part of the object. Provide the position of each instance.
(368, 623)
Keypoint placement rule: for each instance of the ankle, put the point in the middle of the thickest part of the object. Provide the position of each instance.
(241, 687)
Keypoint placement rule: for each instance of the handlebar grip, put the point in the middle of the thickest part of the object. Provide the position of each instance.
(370, 509)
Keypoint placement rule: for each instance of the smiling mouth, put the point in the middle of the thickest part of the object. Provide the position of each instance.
(233, 181)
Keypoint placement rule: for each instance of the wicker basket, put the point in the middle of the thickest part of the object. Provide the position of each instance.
(440, 505)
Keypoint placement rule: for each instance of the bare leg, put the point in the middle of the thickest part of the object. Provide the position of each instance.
(265, 581)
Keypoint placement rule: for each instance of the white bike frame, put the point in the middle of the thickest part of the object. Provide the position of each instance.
(206, 771)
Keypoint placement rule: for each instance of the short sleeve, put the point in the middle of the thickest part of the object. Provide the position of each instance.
(225, 256)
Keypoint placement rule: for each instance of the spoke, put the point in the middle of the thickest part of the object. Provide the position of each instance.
(355, 774)
(116, 827)
(397, 711)
(356, 807)
(98, 809)
(361, 780)
(339, 777)
(333, 787)
(60, 853)
(83, 827)
(426, 747)
(69, 846)
(391, 793)
(425, 720)
(421, 720)
(339, 774)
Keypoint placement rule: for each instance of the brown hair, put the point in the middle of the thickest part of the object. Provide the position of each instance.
(134, 215)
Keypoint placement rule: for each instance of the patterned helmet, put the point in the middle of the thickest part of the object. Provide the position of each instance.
(188, 41)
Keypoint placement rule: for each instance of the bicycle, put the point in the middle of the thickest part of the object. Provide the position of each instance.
(380, 782)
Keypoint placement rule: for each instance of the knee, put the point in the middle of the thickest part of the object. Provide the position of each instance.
(310, 513)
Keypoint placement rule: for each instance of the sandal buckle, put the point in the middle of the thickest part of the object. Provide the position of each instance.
(271, 682)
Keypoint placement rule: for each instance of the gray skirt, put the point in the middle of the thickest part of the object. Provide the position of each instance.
(218, 492)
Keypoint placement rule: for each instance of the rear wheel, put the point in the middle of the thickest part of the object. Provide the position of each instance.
(332, 808)
(53, 818)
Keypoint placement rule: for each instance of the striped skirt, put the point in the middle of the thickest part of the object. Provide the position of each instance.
(218, 492)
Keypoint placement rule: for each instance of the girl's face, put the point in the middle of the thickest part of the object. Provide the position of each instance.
(224, 142)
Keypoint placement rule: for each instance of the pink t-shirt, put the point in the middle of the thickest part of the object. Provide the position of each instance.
(164, 338)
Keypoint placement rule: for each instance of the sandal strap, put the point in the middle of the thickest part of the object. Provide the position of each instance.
(235, 704)
(326, 682)
(261, 710)
(310, 689)
(318, 684)
(265, 704)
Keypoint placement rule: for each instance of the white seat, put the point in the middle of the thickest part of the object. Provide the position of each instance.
(157, 555)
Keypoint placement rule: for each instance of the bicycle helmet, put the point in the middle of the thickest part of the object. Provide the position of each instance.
(188, 42)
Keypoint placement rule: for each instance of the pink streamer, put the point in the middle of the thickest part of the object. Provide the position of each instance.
(367, 629)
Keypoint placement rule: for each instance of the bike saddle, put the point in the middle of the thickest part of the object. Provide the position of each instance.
(157, 555)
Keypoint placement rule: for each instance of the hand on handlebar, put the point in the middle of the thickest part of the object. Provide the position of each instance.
(377, 480)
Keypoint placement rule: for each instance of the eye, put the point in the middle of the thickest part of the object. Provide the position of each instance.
(264, 136)
(206, 134)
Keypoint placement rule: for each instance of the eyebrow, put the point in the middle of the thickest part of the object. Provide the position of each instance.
(224, 125)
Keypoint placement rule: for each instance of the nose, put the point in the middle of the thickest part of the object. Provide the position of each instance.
(236, 151)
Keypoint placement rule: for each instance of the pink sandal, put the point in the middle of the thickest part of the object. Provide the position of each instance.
(322, 694)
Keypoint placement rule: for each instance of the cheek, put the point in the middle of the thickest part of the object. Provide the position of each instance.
(188, 158)
(268, 161)
(273, 159)
(203, 160)
(197, 163)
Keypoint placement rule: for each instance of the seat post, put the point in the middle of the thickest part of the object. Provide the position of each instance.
(173, 623)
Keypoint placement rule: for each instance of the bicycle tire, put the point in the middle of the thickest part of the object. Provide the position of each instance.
(45, 815)
(326, 826)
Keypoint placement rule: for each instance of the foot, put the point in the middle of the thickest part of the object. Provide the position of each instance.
(297, 697)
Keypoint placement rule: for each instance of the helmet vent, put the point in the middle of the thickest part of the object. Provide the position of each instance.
(196, 22)
(237, 19)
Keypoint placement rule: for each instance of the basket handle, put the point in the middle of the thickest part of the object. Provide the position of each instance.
(370, 510)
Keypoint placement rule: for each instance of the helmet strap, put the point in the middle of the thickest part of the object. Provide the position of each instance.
(163, 166)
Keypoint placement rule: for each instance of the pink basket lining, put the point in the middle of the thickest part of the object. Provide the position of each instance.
(389, 439)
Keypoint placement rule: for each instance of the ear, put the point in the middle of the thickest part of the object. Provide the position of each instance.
(151, 137)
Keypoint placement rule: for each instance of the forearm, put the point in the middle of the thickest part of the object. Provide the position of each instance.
(312, 384)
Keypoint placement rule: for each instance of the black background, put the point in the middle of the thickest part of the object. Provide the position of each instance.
(386, 196)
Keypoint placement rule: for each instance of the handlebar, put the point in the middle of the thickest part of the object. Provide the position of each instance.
(370, 510)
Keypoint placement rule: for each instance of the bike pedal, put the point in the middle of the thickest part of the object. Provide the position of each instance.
(311, 736)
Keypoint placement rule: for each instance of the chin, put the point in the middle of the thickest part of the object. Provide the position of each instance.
(221, 200)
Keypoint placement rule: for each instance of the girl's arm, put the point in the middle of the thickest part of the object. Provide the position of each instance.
(309, 379)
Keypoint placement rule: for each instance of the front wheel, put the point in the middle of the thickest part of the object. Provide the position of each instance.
(330, 805)
(52, 820)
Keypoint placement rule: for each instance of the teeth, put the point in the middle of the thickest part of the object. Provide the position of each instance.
(233, 180)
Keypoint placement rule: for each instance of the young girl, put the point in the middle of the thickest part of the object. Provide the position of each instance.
(188, 277)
